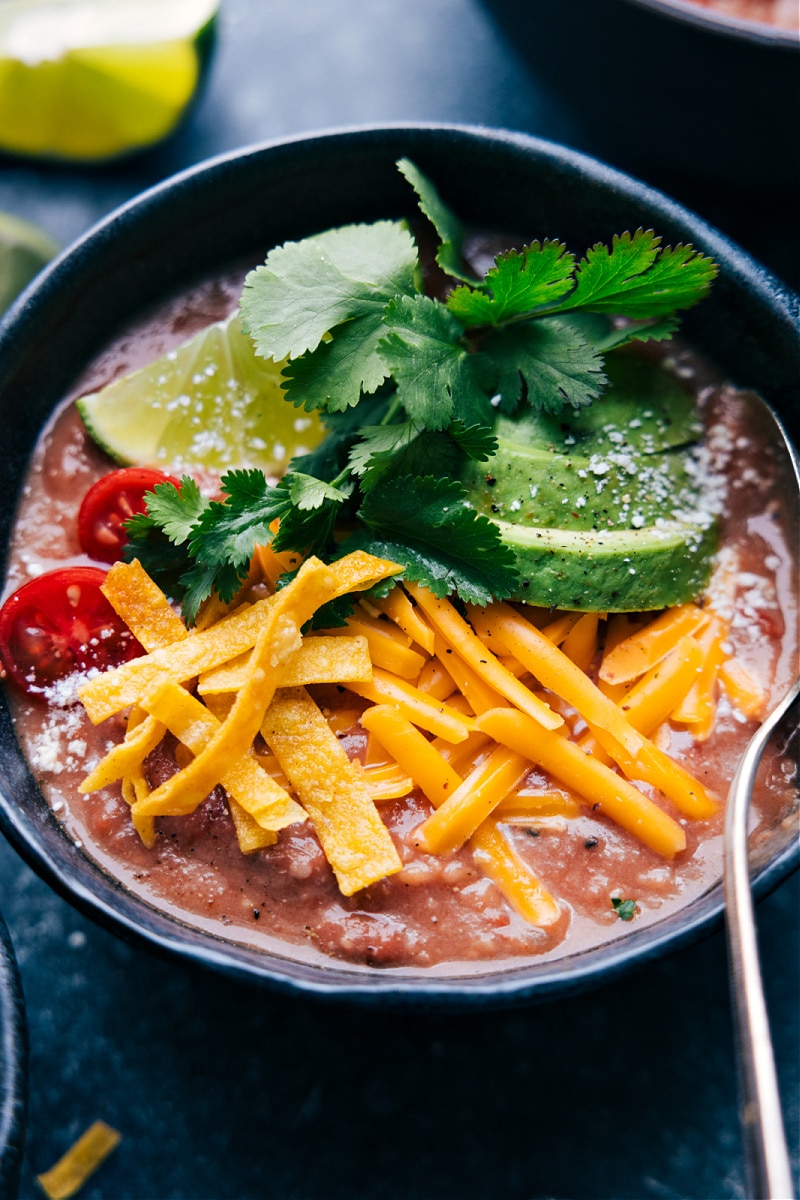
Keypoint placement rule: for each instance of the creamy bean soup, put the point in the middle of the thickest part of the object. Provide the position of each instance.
(534, 773)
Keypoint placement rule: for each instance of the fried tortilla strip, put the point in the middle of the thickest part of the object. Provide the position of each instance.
(202, 650)
(142, 605)
(320, 659)
(126, 757)
(331, 788)
(278, 641)
(82, 1159)
(253, 789)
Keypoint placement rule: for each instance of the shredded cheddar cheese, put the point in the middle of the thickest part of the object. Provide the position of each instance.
(461, 708)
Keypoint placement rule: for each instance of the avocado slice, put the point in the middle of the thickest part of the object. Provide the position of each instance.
(621, 570)
(604, 506)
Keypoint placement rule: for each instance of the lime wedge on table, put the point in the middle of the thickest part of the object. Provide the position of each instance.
(93, 79)
(209, 405)
(24, 250)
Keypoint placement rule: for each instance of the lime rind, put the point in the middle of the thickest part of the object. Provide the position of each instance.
(90, 80)
(209, 405)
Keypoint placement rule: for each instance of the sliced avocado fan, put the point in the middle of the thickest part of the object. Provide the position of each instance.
(606, 508)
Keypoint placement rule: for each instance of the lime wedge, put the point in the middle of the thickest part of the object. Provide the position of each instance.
(88, 80)
(210, 405)
(24, 250)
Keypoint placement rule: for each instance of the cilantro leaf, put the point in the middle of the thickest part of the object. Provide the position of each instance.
(199, 581)
(443, 543)
(639, 278)
(330, 456)
(437, 377)
(447, 225)
(228, 531)
(379, 443)
(625, 909)
(305, 289)
(519, 283)
(176, 510)
(551, 358)
(307, 492)
(334, 376)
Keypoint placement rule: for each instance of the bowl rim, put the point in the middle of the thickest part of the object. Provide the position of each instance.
(740, 28)
(533, 979)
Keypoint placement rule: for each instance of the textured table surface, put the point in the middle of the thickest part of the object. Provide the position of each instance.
(225, 1091)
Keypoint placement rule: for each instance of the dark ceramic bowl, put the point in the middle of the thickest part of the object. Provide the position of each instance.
(13, 1068)
(236, 207)
(667, 86)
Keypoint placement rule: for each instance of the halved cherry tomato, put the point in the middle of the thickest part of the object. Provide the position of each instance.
(58, 623)
(108, 504)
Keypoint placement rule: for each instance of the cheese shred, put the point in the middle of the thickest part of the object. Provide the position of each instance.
(464, 709)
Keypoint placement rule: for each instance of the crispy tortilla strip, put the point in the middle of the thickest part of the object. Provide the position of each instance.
(331, 788)
(82, 1159)
(235, 634)
(591, 781)
(463, 812)
(134, 788)
(278, 639)
(455, 630)
(126, 757)
(514, 878)
(142, 605)
(437, 717)
(249, 834)
(320, 659)
(637, 653)
(247, 782)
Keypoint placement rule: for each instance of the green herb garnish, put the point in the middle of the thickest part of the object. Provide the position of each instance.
(625, 909)
(409, 386)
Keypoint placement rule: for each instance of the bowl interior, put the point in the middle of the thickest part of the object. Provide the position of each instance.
(235, 208)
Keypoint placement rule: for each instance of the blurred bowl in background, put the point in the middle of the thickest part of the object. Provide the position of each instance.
(669, 85)
(13, 1068)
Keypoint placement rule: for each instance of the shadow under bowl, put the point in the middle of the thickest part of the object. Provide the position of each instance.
(13, 1067)
(668, 87)
(234, 208)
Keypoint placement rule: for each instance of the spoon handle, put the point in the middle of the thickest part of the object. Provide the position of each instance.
(766, 1152)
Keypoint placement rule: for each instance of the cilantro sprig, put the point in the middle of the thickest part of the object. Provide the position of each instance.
(408, 386)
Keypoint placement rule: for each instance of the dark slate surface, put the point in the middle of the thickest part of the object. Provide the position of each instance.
(225, 1091)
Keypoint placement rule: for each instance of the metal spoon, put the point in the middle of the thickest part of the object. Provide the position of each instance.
(766, 1153)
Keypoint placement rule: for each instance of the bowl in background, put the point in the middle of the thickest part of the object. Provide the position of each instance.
(233, 209)
(667, 86)
(13, 1067)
